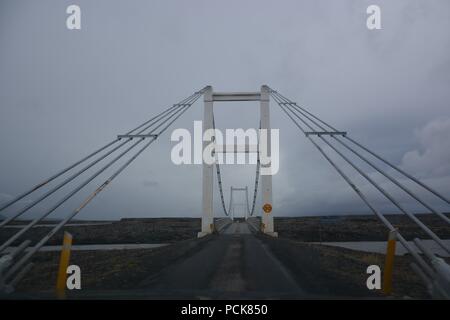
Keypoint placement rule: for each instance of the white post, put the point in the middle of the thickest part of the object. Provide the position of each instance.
(266, 180)
(208, 170)
(267, 225)
(231, 204)
(246, 200)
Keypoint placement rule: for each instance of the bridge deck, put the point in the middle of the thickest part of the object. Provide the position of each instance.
(237, 228)
(232, 264)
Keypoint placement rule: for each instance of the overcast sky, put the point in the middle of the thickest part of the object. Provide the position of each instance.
(65, 93)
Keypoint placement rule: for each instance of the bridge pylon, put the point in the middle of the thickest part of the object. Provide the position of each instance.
(210, 97)
(233, 204)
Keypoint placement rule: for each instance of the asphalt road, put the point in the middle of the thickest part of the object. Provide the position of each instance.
(234, 264)
(237, 228)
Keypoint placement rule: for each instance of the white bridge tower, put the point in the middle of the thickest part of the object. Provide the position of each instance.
(208, 169)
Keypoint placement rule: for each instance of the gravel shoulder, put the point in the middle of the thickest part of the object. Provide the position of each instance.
(339, 272)
(356, 228)
(157, 230)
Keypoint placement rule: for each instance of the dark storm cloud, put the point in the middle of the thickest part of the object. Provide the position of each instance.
(64, 93)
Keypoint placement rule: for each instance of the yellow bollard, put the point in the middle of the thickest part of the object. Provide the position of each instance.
(63, 264)
(389, 263)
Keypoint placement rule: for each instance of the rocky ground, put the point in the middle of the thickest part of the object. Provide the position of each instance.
(307, 229)
(356, 228)
(157, 230)
(106, 270)
(339, 272)
(322, 270)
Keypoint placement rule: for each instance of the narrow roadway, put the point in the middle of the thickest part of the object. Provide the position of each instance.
(233, 264)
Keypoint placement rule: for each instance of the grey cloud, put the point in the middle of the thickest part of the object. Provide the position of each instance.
(432, 158)
(64, 93)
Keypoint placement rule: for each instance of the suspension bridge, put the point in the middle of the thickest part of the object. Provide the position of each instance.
(224, 261)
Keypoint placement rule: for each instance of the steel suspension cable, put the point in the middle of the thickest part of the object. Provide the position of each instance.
(230, 206)
(30, 253)
(248, 205)
(420, 183)
(73, 176)
(78, 188)
(385, 174)
(427, 269)
(64, 199)
(219, 176)
(56, 175)
(417, 181)
(258, 165)
(219, 181)
(379, 188)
